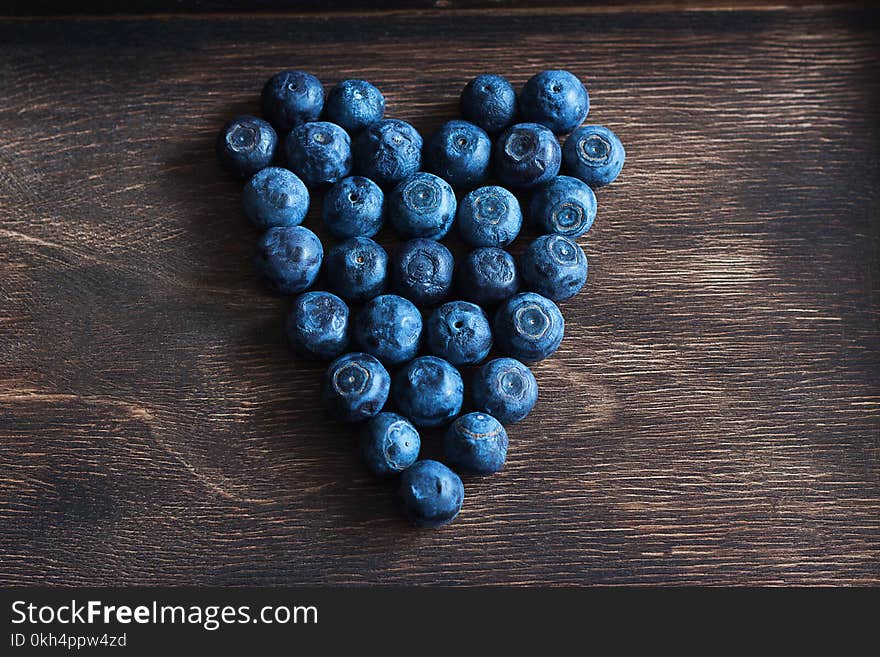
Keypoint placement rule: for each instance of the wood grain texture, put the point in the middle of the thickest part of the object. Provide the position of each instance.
(86, 8)
(711, 417)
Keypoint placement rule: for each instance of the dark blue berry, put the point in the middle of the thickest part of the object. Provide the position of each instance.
(355, 387)
(291, 98)
(275, 197)
(289, 258)
(594, 154)
(318, 152)
(423, 205)
(527, 154)
(459, 153)
(421, 270)
(556, 99)
(246, 145)
(357, 269)
(489, 101)
(489, 216)
(554, 266)
(388, 151)
(565, 205)
(390, 328)
(354, 104)
(459, 332)
(528, 327)
(488, 276)
(506, 389)
(476, 443)
(430, 494)
(428, 391)
(317, 325)
(353, 207)
(389, 444)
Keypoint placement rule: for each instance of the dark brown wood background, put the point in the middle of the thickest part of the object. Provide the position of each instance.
(711, 417)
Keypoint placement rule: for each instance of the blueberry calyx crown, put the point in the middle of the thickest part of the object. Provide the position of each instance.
(351, 379)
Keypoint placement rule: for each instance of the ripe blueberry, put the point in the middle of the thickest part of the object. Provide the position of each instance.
(422, 205)
(565, 205)
(476, 443)
(459, 153)
(357, 269)
(506, 389)
(275, 197)
(428, 391)
(488, 276)
(594, 154)
(246, 145)
(554, 266)
(489, 216)
(389, 444)
(390, 328)
(355, 387)
(291, 98)
(317, 325)
(489, 101)
(421, 270)
(528, 327)
(354, 105)
(459, 332)
(388, 151)
(319, 152)
(289, 258)
(430, 494)
(556, 99)
(527, 154)
(353, 207)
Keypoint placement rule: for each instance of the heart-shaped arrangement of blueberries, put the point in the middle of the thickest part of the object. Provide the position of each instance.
(509, 139)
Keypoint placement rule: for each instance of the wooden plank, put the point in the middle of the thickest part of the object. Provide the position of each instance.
(32, 8)
(712, 415)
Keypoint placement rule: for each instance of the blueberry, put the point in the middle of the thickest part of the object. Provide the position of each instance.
(529, 327)
(565, 205)
(317, 325)
(506, 389)
(354, 104)
(430, 494)
(289, 258)
(353, 207)
(275, 197)
(291, 98)
(389, 444)
(429, 391)
(554, 266)
(476, 443)
(489, 216)
(319, 152)
(355, 387)
(459, 153)
(594, 154)
(421, 271)
(459, 332)
(489, 101)
(246, 145)
(527, 154)
(388, 151)
(488, 276)
(357, 269)
(423, 205)
(556, 99)
(390, 328)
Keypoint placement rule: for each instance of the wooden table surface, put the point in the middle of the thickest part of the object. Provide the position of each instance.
(711, 417)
